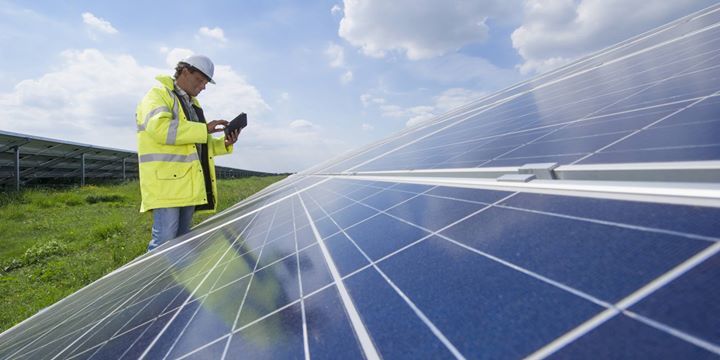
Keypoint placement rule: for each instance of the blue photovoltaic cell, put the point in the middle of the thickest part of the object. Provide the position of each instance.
(314, 270)
(330, 329)
(685, 219)
(594, 258)
(622, 337)
(387, 199)
(397, 332)
(582, 101)
(382, 235)
(696, 294)
(437, 213)
(346, 256)
(327, 264)
(278, 336)
(483, 318)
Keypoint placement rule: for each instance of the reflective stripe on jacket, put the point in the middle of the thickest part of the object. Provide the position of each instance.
(171, 174)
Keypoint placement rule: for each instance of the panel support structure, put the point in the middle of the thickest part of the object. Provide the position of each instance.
(124, 169)
(16, 149)
(82, 169)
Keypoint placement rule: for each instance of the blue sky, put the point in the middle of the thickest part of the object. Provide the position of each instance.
(317, 78)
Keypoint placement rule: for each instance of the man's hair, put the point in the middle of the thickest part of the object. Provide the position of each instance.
(182, 65)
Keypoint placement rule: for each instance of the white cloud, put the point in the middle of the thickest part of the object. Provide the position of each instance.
(292, 147)
(95, 23)
(367, 127)
(420, 118)
(88, 97)
(346, 78)
(301, 125)
(215, 33)
(418, 28)
(91, 98)
(456, 97)
(556, 31)
(415, 113)
(175, 55)
(93, 94)
(464, 70)
(368, 99)
(448, 100)
(336, 54)
(336, 9)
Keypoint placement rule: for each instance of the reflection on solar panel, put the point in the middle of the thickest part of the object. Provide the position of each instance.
(573, 215)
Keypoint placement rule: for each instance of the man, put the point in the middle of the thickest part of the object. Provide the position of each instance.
(176, 150)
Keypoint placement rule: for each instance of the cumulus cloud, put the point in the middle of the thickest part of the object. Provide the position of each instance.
(175, 55)
(336, 9)
(367, 127)
(555, 32)
(215, 33)
(93, 94)
(415, 114)
(418, 28)
(336, 54)
(456, 97)
(96, 24)
(293, 146)
(301, 125)
(447, 100)
(458, 69)
(369, 99)
(346, 77)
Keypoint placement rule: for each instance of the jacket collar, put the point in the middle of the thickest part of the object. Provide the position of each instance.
(167, 81)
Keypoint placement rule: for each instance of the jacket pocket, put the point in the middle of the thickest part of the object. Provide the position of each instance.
(175, 182)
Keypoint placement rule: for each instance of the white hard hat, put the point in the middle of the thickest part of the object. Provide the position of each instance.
(202, 63)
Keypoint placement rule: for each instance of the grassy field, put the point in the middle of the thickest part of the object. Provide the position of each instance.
(53, 242)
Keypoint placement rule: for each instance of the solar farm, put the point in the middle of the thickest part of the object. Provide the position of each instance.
(573, 215)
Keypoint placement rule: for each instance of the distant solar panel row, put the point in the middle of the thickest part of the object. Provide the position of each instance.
(28, 159)
(324, 265)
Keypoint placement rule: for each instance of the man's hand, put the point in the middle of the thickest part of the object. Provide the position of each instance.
(215, 126)
(231, 138)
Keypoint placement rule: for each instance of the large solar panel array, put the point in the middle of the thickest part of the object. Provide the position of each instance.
(574, 215)
(33, 160)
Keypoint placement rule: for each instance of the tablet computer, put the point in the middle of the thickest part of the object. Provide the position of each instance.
(238, 122)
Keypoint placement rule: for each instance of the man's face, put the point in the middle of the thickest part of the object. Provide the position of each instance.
(195, 83)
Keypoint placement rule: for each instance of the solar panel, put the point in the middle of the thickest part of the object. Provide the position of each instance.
(26, 159)
(573, 215)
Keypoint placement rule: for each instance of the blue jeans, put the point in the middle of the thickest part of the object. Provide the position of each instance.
(169, 223)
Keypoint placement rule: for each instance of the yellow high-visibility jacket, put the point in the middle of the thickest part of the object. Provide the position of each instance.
(171, 171)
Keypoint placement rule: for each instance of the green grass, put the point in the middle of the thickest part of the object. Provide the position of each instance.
(54, 242)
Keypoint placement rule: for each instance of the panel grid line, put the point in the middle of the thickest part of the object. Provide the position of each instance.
(648, 126)
(99, 321)
(359, 328)
(511, 265)
(177, 312)
(306, 345)
(625, 303)
(500, 102)
(611, 309)
(247, 288)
